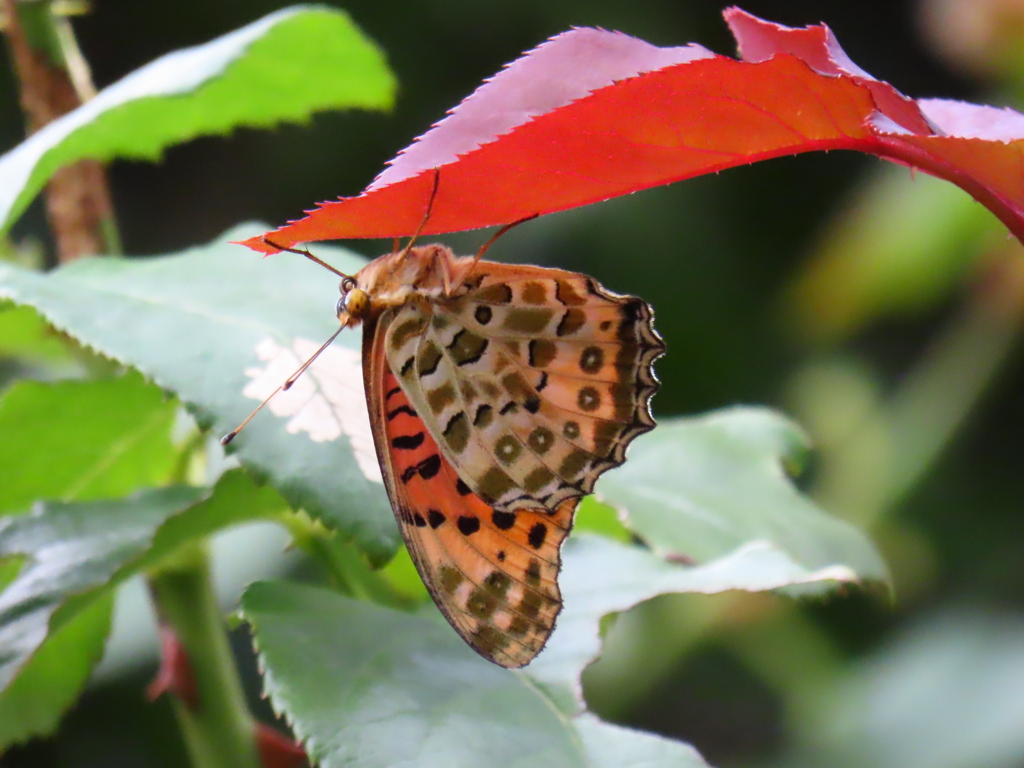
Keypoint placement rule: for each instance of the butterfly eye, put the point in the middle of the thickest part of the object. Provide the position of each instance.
(356, 302)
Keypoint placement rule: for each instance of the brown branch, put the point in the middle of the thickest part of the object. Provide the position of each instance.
(78, 201)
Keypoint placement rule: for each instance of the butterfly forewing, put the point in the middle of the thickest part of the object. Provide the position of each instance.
(495, 409)
(493, 574)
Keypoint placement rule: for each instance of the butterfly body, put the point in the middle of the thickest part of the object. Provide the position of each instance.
(498, 394)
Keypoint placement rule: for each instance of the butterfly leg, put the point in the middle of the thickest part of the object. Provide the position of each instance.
(426, 215)
(492, 241)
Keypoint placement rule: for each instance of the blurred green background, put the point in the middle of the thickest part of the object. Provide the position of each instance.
(880, 308)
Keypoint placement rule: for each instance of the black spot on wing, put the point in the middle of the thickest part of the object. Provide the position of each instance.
(538, 533)
(400, 410)
(588, 399)
(591, 360)
(503, 520)
(430, 466)
(426, 469)
(408, 442)
(468, 525)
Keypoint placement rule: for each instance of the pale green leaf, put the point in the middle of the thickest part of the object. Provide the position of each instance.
(696, 489)
(367, 686)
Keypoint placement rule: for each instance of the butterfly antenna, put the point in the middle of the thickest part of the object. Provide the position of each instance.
(494, 239)
(285, 385)
(305, 252)
(426, 216)
(302, 369)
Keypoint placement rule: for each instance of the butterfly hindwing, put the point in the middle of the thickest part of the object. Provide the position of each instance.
(492, 573)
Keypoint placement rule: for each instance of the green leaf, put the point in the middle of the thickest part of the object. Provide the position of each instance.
(71, 549)
(367, 686)
(54, 678)
(602, 577)
(612, 746)
(204, 324)
(281, 68)
(83, 440)
(593, 516)
(25, 335)
(234, 500)
(75, 553)
(10, 567)
(698, 488)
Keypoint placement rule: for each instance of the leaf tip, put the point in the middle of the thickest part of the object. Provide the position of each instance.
(258, 244)
(752, 33)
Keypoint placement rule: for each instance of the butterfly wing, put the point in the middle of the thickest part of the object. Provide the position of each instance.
(532, 380)
(494, 411)
(493, 574)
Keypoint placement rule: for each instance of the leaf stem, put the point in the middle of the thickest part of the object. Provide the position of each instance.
(918, 157)
(218, 729)
(345, 566)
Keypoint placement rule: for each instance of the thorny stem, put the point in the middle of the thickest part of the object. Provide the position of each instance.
(216, 724)
(218, 729)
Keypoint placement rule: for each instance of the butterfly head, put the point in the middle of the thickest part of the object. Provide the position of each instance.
(394, 279)
(354, 303)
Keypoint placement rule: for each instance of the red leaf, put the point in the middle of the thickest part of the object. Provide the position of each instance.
(592, 114)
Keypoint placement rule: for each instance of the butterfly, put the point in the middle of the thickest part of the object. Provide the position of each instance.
(497, 394)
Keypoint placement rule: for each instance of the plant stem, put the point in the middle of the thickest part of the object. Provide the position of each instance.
(920, 419)
(54, 79)
(218, 729)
